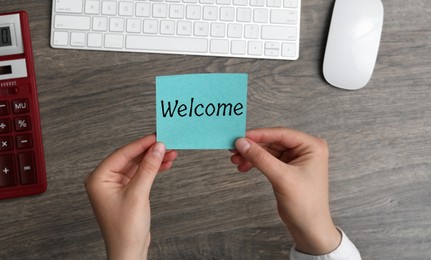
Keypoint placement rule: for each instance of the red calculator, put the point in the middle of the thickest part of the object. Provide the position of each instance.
(22, 163)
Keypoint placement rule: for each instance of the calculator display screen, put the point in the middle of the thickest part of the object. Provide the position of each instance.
(4, 70)
(5, 37)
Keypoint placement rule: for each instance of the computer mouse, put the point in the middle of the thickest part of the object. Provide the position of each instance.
(353, 43)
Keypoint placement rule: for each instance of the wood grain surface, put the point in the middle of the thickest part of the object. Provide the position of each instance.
(380, 145)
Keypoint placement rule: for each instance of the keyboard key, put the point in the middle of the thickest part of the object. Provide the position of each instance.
(219, 46)
(240, 2)
(116, 24)
(272, 45)
(223, 2)
(100, 24)
(238, 47)
(67, 6)
(234, 30)
(286, 33)
(72, 22)
(291, 3)
(109, 7)
(273, 3)
(272, 52)
(201, 29)
(133, 25)
(7, 171)
(257, 2)
(184, 28)
(77, 39)
(27, 168)
(218, 29)
(243, 14)
(288, 50)
(251, 31)
(283, 16)
(92, 7)
(167, 27)
(176, 11)
(260, 15)
(255, 48)
(193, 12)
(210, 13)
(94, 40)
(155, 43)
(114, 41)
(150, 26)
(143, 9)
(227, 14)
(160, 10)
(61, 38)
(125, 9)
(272, 49)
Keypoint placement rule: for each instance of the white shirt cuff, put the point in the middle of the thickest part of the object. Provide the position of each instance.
(345, 251)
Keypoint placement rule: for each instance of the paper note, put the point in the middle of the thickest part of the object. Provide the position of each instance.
(201, 111)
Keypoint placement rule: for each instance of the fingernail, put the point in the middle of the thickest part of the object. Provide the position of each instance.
(242, 145)
(159, 150)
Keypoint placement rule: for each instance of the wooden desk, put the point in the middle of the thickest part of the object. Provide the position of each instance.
(380, 142)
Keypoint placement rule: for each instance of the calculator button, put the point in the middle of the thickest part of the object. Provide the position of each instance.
(5, 126)
(4, 108)
(5, 143)
(22, 123)
(7, 171)
(20, 106)
(24, 141)
(26, 168)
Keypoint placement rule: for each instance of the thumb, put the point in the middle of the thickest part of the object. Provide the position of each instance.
(148, 169)
(265, 162)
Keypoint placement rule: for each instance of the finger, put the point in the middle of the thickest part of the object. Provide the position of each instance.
(136, 148)
(295, 144)
(124, 155)
(260, 158)
(238, 159)
(170, 156)
(245, 167)
(288, 138)
(148, 169)
(168, 160)
(242, 164)
(165, 166)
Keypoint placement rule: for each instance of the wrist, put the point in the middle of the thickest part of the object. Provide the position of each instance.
(125, 252)
(317, 240)
(121, 255)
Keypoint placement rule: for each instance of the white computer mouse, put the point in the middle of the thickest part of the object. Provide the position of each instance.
(353, 43)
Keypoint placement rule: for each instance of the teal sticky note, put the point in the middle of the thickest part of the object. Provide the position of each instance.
(201, 111)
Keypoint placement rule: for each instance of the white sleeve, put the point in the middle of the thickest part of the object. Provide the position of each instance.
(345, 251)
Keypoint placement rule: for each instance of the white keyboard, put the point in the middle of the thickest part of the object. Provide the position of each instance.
(266, 29)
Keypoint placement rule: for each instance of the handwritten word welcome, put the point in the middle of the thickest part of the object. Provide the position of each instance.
(199, 109)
